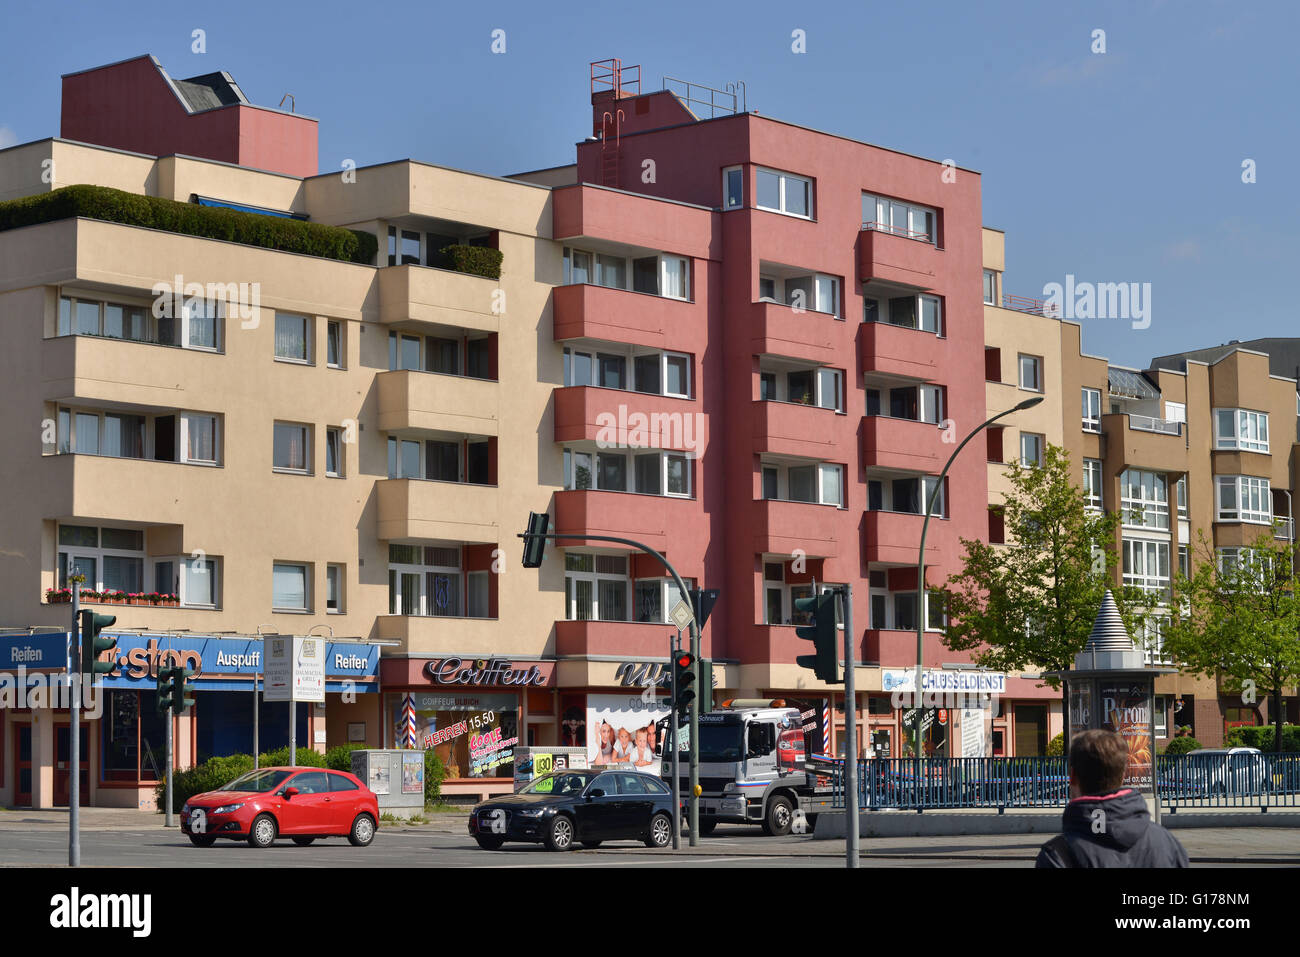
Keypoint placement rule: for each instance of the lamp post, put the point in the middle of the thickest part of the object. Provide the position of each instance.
(920, 567)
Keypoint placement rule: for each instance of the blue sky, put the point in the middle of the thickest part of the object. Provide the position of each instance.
(1117, 167)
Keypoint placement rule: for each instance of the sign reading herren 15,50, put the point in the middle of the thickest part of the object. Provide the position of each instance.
(481, 672)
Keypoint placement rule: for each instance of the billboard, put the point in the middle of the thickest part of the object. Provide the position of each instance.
(1126, 710)
(621, 730)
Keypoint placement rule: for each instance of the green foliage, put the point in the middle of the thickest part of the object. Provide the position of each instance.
(1181, 746)
(1056, 747)
(211, 775)
(339, 758)
(154, 212)
(475, 260)
(1030, 604)
(307, 758)
(1242, 624)
(1262, 738)
(435, 772)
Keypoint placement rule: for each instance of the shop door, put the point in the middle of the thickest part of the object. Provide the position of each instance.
(23, 765)
(1031, 730)
(63, 764)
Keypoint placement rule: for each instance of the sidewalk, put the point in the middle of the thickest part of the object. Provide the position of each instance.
(125, 818)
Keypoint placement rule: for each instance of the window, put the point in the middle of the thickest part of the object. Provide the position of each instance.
(990, 287)
(334, 344)
(112, 559)
(403, 247)
(657, 275)
(403, 352)
(197, 327)
(1244, 567)
(920, 311)
(289, 587)
(291, 337)
(1031, 449)
(198, 582)
(652, 473)
(1150, 636)
(1092, 410)
(1241, 429)
(907, 495)
(1244, 498)
(821, 484)
(334, 452)
(1146, 566)
(997, 525)
(1181, 488)
(1092, 494)
(1144, 498)
(1031, 373)
(653, 373)
(733, 188)
(994, 443)
(478, 358)
(815, 292)
(1175, 411)
(1184, 564)
(290, 451)
(654, 598)
(992, 364)
(595, 587)
(898, 218)
(424, 580)
(936, 611)
(784, 193)
(334, 589)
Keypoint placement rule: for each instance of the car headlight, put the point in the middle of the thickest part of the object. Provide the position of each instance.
(185, 810)
(227, 808)
(532, 812)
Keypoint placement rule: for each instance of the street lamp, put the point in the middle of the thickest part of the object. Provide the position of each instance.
(920, 564)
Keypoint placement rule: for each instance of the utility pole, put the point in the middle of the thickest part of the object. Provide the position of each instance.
(74, 728)
(672, 742)
(850, 735)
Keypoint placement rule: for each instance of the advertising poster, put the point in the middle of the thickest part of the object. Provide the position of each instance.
(974, 742)
(812, 712)
(621, 730)
(1080, 707)
(378, 774)
(1126, 710)
(413, 773)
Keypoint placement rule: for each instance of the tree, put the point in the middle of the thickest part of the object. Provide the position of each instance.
(1239, 618)
(1030, 604)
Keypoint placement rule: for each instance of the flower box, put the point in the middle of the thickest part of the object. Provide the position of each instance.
(57, 596)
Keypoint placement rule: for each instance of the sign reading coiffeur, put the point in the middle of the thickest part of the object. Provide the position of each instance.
(481, 672)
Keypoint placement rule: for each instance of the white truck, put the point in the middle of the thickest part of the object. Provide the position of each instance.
(754, 768)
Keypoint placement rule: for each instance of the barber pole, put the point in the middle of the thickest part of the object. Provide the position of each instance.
(408, 721)
(826, 727)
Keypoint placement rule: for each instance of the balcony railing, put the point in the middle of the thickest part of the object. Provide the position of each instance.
(1147, 423)
(1284, 528)
(897, 231)
(1036, 307)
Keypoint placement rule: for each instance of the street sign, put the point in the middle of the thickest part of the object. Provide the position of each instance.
(681, 615)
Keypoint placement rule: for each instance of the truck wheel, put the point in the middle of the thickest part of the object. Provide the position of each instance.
(779, 817)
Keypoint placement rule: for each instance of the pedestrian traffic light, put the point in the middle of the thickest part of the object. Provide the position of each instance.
(93, 644)
(534, 539)
(822, 632)
(165, 694)
(683, 679)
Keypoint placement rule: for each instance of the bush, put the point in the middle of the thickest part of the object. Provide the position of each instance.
(1056, 747)
(307, 758)
(1261, 736)
(211, 775)
(1181, 746)
(475, 260)
(435, 772)
(230, 225)
(339, 758)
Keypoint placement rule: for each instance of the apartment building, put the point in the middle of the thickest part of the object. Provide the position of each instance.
(1196, 448)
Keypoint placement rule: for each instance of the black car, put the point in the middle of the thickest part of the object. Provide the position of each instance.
(588, 807)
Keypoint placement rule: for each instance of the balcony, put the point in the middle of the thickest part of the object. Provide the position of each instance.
(897, 259)
(782, 527)
(426, 294)
(645, 518)
(1143, 442)
(1284, 529)
(626, 218)
(653, 421)
(142, 491)
(586, 311)
(428, 400)
(894, 537)
(900, 351)
(425, 635)
(895, 648)
(907, 444)
(414, 509)
(119, 370)
(779, 645)
(780, 331)
(634, 639)
(793, 428)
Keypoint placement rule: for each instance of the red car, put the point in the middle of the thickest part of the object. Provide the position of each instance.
(301, 803)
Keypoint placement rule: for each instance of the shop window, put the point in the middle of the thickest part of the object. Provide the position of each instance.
(474, 735)
(132, 738)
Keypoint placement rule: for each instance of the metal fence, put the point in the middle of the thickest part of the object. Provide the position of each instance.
(1217, 779)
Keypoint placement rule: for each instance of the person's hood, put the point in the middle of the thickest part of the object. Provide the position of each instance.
(1123, 821)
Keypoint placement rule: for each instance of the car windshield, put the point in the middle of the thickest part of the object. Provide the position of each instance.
(559, 783)
(258, 781)
(720, 742)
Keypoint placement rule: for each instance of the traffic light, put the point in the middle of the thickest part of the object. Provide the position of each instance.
(182, 688)
(93, 644)
(825, 663)
(683, 678)
(166, 693)
(706, 685)
(534, 542)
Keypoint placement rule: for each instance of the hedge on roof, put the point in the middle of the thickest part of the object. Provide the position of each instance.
(208, 222)
(475, 260)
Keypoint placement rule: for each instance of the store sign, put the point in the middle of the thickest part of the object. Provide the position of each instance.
(481, 672)
(944, 681)
(34, 652)
(641, 674)
(138, 659)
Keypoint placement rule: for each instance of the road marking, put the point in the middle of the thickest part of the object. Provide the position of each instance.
(638, 863)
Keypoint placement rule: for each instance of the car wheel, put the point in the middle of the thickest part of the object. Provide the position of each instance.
(202, 840)
(488, 842)
(661, 831)
(263, 831)
(779, 817)
(707, 826)
(303, 841)
(559, 836)
(592, 845)
(363, 831)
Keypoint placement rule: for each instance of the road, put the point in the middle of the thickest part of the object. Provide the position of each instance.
(445, 844)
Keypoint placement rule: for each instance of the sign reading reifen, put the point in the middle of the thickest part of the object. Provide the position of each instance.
(482, 673)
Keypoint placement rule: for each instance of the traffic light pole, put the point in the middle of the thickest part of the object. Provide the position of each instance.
(171, 720)
(850, 734)
(74, 728)
(694, 710)
(672, 742)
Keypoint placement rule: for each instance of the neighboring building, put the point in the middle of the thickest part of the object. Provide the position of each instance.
(1197, 446)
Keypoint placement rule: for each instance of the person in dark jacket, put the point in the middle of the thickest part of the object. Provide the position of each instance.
(1106, 824)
